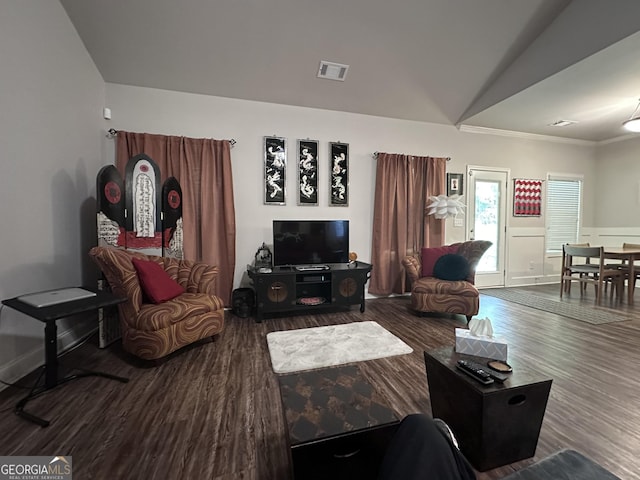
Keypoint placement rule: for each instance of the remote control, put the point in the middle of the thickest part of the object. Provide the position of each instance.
(474, 371)
(498, 377)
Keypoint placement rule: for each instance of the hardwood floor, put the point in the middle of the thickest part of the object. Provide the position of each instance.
(213, 410)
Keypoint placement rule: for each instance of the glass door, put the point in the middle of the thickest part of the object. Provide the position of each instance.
(486, 220)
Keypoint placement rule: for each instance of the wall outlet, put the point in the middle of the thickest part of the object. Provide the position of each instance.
(458, 222)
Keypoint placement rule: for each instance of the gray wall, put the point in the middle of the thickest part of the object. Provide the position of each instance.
(618, 188)
(51, 98)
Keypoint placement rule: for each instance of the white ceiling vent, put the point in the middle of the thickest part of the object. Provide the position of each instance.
(562, 123)
(333, 71)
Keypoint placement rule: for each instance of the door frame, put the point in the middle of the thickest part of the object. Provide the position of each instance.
(503, 251)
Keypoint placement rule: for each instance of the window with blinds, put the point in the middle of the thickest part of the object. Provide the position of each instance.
(563, 212)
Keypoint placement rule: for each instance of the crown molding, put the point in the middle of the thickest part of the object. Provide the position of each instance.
(621, 138)
(529, 136)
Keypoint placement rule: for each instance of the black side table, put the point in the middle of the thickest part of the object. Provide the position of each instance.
(49, 315)
(496, 424)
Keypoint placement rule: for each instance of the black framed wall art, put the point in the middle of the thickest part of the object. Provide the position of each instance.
(275, 167)
(339, 153)
(307, 172)
(454, 184)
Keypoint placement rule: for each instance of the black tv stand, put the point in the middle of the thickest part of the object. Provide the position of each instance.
(291, 289)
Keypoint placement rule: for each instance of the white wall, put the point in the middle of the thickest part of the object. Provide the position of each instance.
(51, 96)
(157, 111)
(611, 212)
(618, 192)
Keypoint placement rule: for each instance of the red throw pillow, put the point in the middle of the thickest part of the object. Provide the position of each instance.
(431, 255)
(156, 284)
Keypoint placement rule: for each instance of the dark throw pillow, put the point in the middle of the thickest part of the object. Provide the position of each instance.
(451, 267)
(430, 256)
(156, 284)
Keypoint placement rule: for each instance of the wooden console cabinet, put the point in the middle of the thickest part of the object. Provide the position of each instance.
(285, 289)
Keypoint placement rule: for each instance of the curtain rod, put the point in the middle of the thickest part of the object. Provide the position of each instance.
(375, 156)
(112, 132)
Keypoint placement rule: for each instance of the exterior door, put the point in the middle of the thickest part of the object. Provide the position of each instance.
(486, 220)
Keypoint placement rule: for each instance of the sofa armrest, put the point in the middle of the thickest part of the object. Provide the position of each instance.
(413, 266)
(195, 277)
(118, 269)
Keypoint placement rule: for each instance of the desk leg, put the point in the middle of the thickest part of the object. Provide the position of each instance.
(631, 281)
(50, 354)
(51, 379)
(37, 391)
(34, 392)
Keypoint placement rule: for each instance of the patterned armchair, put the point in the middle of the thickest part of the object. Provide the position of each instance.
(431, 294)
(151, 331)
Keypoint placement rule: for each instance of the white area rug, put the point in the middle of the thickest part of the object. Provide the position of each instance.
(318, 347)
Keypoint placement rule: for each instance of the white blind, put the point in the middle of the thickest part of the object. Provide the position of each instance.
(563, 212)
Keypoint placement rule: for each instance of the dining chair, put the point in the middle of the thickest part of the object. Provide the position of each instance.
(637, 272)
(593, 272)
(623, 265)
(567, 286)
(587, 260)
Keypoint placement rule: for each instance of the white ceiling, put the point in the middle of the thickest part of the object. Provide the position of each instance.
(513, 65)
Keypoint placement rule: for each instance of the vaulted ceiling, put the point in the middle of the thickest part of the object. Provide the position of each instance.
(514, 65)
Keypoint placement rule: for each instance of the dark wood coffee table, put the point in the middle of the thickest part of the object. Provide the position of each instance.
(338, 426)
(495, 425)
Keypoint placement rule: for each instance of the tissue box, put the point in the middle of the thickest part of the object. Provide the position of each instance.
(490, 347)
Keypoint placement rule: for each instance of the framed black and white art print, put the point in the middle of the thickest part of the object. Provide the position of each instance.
(339, 153)
(307, 172)
(454, 184)
(275, 166)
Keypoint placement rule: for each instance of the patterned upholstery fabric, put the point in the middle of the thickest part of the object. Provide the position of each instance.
(151, 331)
(430, 294)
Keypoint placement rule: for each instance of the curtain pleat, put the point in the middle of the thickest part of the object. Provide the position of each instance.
(401, 227)
(203, 168)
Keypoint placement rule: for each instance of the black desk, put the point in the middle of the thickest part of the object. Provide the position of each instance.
(49, 315)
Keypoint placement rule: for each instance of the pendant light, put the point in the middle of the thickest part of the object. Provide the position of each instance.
(442, 206)
(633, 124)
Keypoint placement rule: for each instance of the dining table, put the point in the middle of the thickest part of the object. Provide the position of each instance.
(629, 255)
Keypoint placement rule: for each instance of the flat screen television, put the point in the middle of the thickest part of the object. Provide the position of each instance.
(310, 242)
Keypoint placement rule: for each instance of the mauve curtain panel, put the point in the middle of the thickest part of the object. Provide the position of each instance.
(401, 227)
(203, 168)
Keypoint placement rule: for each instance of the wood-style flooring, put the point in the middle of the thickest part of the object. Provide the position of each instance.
(212, 410)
